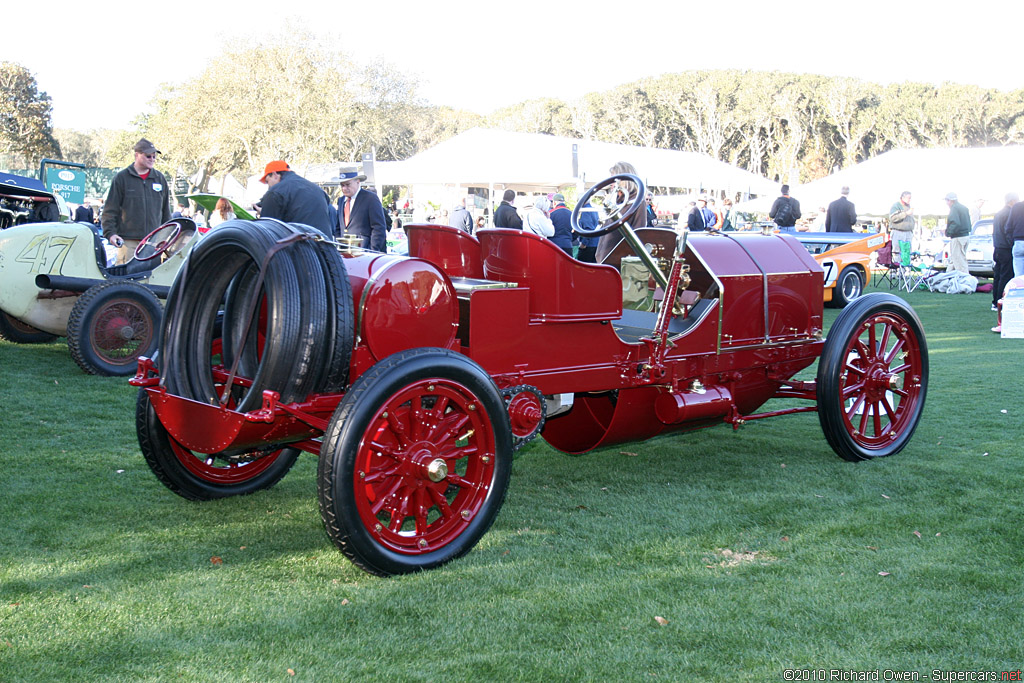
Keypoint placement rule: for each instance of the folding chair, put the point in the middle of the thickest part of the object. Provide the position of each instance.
(889, 266)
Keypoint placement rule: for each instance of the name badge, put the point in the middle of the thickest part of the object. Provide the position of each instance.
(157, 187)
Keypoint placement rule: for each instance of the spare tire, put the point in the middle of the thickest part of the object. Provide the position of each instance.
(287, 315)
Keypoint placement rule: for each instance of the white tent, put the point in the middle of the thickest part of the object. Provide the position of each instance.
(985, 173)
(533, 162)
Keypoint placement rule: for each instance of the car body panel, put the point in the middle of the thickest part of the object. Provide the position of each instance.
(68, 250)
(209, 203)
(834, 251)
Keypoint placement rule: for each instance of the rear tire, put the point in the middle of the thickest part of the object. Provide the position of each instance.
(849, 286)
(13, 330)
(872, 378)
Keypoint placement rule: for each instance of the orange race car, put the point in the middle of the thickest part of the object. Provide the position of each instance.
(846, 259)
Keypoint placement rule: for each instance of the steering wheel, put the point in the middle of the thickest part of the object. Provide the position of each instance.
(161, 246)
(614, 212)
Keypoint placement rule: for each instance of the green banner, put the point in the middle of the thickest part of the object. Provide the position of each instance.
(68, 183)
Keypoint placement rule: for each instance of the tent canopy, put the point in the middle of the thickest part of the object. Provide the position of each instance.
(985, 173)
(535, 162)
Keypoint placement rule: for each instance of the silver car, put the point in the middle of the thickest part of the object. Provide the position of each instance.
(979, 251)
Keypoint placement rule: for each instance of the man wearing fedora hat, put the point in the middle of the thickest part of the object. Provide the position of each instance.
(138, 202)
(360, 212)
(293, 199)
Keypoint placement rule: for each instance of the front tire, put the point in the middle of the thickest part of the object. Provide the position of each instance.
(197, 476)
(872, 378)
(415, 462)
(111, 325)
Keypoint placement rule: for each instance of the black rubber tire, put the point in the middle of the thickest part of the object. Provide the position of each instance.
(341, 330)
(849, 286)
(167, 458)
(859, 370)
(111, 325)
(13, 330)
(344, 445)
(301, 292)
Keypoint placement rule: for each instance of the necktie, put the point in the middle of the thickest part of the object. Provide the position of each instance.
(348, 209)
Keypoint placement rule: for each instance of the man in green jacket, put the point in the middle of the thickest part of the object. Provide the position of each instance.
(958, 230)
(138, 202)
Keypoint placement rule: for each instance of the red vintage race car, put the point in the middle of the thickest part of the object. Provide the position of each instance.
(414, 379)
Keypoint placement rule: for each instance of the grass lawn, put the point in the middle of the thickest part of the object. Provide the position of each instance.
(717, 555)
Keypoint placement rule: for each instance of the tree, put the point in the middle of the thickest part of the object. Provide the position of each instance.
(26, 131)
(850, 107)
(291, 97)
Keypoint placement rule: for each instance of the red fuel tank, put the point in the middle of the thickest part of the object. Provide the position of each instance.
(401, 303)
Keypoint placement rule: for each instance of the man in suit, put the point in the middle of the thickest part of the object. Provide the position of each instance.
(841, 216)
(360, 211)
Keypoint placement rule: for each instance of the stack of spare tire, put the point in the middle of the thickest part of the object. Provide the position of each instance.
(287, 314)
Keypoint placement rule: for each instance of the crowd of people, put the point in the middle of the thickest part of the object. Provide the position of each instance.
(139, 201)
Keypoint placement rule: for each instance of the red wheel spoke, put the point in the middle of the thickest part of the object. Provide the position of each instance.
(876, 416)
(459, 453)
(384, 496)
(890, 410)
(384, 449)
(441, 502)
(896, 348)
(440, 407)
(852, 389)
(865, 411)
(421, 512)
(885, 339)
(380, 474)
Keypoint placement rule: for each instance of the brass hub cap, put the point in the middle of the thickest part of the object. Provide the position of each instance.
(437, 470)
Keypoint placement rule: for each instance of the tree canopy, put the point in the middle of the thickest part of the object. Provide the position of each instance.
(26, 130)
(776, 123)
(298, 98)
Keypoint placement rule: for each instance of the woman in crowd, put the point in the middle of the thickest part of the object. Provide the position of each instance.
(221, 213)
(536, 219)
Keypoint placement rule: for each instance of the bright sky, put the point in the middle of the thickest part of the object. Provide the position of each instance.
(102, 61)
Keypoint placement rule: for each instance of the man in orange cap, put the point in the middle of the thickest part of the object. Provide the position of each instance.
(293, 199)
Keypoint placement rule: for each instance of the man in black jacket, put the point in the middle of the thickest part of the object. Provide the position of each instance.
(506, 216)
(841, 216)
(293, 199)
(785, 211)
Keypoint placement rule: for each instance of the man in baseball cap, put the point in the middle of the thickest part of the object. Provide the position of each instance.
(293, 199)
(125, 223)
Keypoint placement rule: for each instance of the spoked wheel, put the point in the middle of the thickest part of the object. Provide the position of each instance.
(872, 378)
(111, 325)
(415, 462)
(198, 476)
